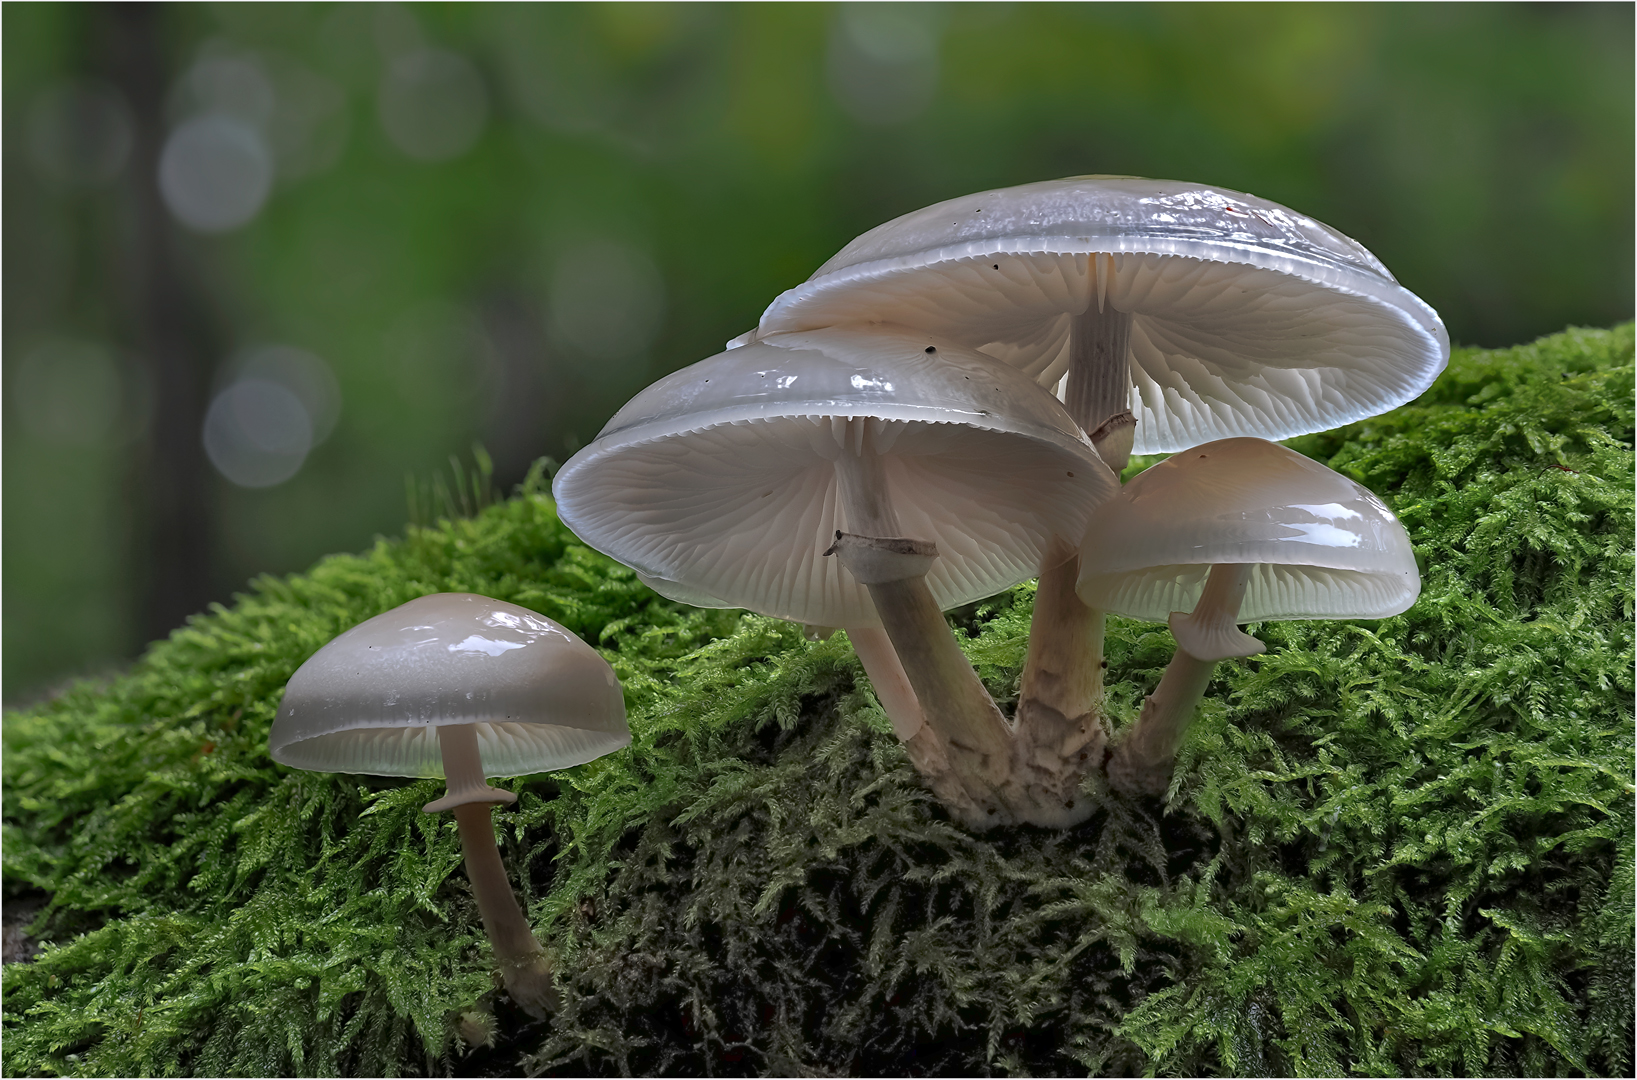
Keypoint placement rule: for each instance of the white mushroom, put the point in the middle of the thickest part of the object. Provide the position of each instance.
(1235, 531)
(935, 475)
(1205, 313)
(465, 687)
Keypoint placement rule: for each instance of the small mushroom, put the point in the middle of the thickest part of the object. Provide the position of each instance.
(1178, 312)
(1234, 531)
(465, 687)
(934, 475)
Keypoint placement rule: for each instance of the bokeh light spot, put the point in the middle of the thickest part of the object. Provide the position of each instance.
(300, 372)
(215, 173)
(257, 433)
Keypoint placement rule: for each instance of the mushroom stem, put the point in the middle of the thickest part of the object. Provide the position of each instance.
(886, 674)
(926, 748)
(893, 568)
(953, 700)
(1098, 394)
(1059, 710)
(1143, 759)
(522, 962)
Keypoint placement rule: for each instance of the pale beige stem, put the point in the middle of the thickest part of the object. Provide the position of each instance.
(521, 960)
(1144, 757)
(1098, 394)
(1059, 732)
(953, 700)
(886, 674)
(926, 748)
(1143, 760)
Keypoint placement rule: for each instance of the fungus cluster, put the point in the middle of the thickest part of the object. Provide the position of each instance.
(940, 412)
(943, 409)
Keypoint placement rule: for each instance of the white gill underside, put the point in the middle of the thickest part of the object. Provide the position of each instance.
(1217, 349)
(1273, 592)
(742, 513)
(507, 749)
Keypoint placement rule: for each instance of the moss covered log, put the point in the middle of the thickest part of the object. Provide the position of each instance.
(1394, 847)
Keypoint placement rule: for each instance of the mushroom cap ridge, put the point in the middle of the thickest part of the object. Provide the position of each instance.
(1320, 545)
(717, 483)
(372, 699)
(1248, 318)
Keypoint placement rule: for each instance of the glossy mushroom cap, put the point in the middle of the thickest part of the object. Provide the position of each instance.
(718, 483)
(1247, 317)
(1319, 545)
(371, 701)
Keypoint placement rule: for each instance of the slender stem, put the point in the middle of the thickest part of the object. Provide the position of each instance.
(463, 771)
(522, 962)
(1212, 632)
(1098, 394)
(1063, 673)
(953, 701)
(866, 504)
(927, 750)
(1144, 758)
(886, 674)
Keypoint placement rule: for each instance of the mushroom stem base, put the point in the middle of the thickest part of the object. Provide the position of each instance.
(1143, 759)
(969, 729)
(1059, 734)
(985, 771)
(522, 962)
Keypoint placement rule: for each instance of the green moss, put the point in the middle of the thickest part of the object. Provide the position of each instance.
(1394, 847)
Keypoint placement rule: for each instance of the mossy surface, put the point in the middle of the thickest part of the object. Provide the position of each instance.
(1394, 847)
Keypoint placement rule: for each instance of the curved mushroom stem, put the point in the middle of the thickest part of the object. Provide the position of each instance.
(522, 962)
(1098, 394)
(1144, 757)
(927, 750)
(954, 703)
(886, 674)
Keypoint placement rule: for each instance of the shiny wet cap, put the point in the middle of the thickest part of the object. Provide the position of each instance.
(1320, 545)
(717, 483)
(371, 700)
(1248, 318)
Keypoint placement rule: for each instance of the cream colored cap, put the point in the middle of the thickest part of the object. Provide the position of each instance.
(1247, 317)
(371, 700)
(1320, 546)
(717, 483)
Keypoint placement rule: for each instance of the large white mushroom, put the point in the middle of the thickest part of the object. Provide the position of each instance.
(933, 474)
(464, 687)
(1230, 532)
(1203, 313)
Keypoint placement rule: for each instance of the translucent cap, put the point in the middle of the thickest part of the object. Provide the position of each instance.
(1247, 317)
(1320, 545)
(717, 484)
(371, 700)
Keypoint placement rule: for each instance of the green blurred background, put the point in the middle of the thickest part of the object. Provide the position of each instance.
(263, 261)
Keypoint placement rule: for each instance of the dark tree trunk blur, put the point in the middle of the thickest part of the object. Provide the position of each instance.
(170, 320)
